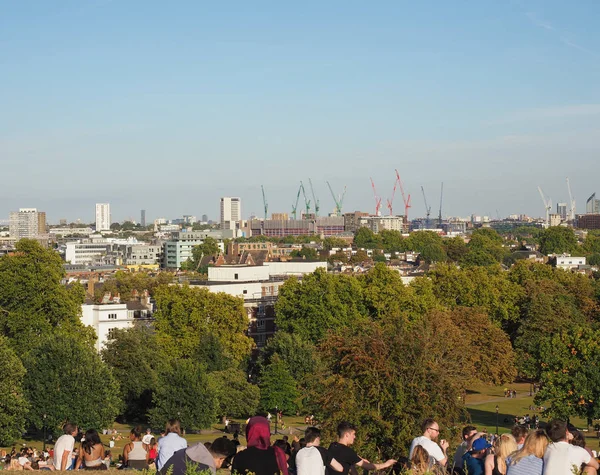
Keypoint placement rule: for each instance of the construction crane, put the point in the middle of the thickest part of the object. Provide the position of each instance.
(571, 201)
(377, 199)
(547, 205)
(294, 208)
(315, 200)
(266, 205)
(427, 208)
(339, 200)
(306, 200)
(404, 198)
(390, 202)
(441, 199)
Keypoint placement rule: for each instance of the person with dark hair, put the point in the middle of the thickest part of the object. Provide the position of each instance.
(431, 432)
(313, 459)
(346, 456)
(467, 433)
(202, 456)
(561, 457)
(91, 452)
(474, 459)
(519, 432)
(135, 453)
(260, 458)
(170, 443)
(64, 447)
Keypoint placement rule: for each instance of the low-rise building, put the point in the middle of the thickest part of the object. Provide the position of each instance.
(568, 262)
(258, 286)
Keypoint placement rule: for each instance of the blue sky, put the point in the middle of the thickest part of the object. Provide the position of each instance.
(169, 105)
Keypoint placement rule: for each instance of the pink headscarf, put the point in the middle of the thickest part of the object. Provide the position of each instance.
(258, 434)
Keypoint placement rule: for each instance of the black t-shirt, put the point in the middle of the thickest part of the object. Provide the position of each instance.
(256, 461)
(344, 455)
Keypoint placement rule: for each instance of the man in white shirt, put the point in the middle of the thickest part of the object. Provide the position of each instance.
(431, 432)
(561, 457)
(312, 459)
(64, 447)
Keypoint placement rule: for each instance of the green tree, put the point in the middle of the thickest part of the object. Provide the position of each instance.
(209, 247)
(548, 309)
(392, 241)
(428, 244)
(13, 405)
(486, 287)
(486, 248)
(330, 242)
(385, 295)
(300, 356)
(569, 374)
(278, 388)
(184, 391)
(558, 240)
(67, 380)
(387, 378)
(319, 302)
(364, 238)
(456, 248)
(235, 396)
(185, 314)
(489, 347)
(306, 253)
(134, 356)
(33, 299)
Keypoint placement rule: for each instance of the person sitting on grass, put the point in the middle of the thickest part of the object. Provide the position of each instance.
(201, 457)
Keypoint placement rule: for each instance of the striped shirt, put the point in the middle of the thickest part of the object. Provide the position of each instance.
(530, 465)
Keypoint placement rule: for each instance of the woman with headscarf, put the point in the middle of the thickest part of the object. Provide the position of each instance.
(260, 458)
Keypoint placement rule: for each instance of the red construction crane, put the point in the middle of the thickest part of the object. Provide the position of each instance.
(377, 199)
(390, 202)
(404, 198)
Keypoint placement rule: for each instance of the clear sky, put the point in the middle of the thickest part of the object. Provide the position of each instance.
(167, 106)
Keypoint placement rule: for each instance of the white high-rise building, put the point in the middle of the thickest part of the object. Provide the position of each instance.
(231, 211)
(102, 216)
(27, 223)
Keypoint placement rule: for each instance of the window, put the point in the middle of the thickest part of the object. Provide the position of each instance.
(112, 316)
(235, 276)
(111, 333)
(245, 291)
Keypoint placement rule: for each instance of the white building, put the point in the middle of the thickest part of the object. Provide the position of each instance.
(379, 223)
(231, 211)
(27, 223)
(102, 216)
(88, 251)
(568, 262)
(105, 318)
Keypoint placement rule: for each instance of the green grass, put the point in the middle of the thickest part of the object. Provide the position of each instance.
(481, 403)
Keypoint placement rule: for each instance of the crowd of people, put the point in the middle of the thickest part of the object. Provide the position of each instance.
(560, 449)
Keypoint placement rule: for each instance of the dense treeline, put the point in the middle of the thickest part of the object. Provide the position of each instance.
(366, 348)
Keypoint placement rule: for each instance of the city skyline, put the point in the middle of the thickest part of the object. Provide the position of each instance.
(164, 108)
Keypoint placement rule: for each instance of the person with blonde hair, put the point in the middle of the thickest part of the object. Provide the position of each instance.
(421, 462)
(529, 460)
(495, 463)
